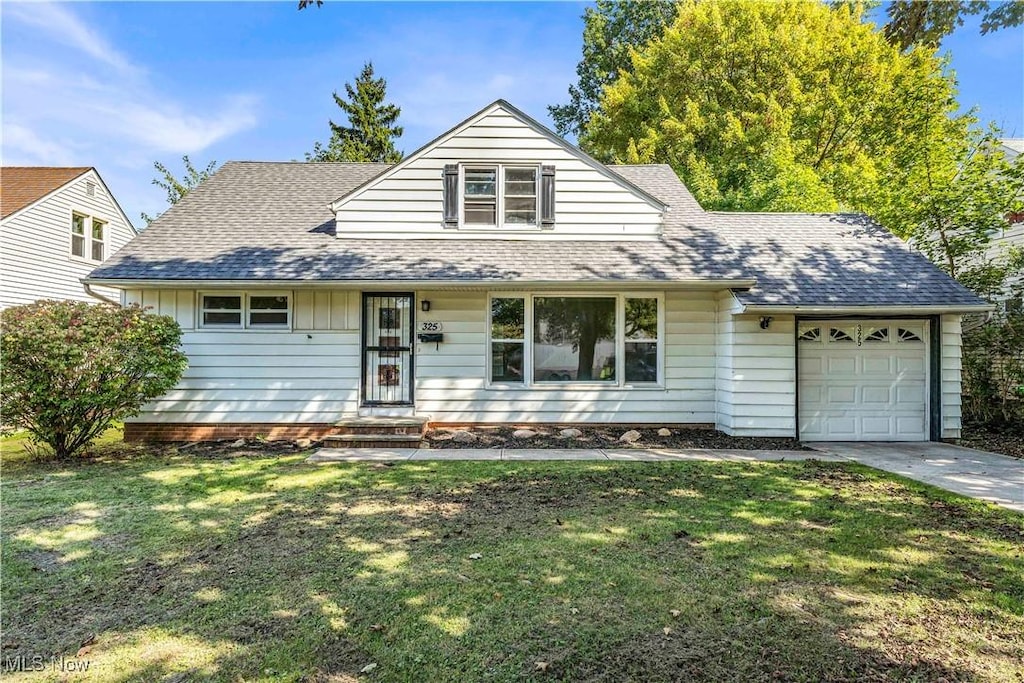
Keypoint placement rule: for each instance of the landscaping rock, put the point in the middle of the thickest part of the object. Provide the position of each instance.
(462, 436)
(571, 433)
(303, 443)
(664, 432)
(632, 436)
(238, 444)
(524, 434)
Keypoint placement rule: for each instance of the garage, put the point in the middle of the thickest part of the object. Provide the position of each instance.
(863, 380)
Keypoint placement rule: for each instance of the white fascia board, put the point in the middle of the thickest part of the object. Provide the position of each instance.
(867, 310)
(422, 284)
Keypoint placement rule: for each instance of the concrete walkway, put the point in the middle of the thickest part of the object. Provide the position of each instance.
(977, 474)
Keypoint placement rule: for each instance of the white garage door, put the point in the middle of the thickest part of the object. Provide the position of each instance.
(863, 380)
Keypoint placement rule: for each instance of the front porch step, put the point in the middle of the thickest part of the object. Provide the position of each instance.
(372, 440)
(384, 426)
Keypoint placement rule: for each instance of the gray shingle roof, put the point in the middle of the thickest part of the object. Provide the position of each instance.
(834, 260)
(270, 221)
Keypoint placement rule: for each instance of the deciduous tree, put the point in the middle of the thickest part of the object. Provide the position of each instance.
(782, 106)
(71, 368)
(611, 29)
(927, 22)
(177, 188)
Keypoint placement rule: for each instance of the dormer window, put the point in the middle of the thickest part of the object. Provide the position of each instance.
(499, 195)
(492, 196)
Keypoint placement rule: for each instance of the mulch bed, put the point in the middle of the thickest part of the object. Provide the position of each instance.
(1009, 442)
(602, 437)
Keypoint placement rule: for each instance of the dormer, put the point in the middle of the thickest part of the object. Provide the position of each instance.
(498, 175)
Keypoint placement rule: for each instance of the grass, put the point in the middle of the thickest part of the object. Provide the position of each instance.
(166, 567)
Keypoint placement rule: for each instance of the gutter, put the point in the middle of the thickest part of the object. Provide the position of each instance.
(866, 310)
(95, 295)
(422, 284)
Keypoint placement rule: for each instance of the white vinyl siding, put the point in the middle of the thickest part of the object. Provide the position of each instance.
(309, 374)
(756, 374)
(36, 260)
(588, 205)
(951, 380)
(452, 377)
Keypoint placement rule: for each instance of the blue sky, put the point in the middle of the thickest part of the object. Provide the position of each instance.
(119, 85)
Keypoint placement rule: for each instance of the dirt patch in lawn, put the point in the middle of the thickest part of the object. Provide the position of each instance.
(599, 437)
(1008, 442)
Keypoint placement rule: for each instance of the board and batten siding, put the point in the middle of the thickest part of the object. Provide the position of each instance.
(309, 374)
(35, 259)
(452, 377)
(952, 378)
(756, 377)
(408, 203)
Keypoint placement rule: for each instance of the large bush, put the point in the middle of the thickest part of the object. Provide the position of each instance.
(993, 363)
(71, 368)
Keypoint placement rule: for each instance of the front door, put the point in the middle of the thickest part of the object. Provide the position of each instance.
(387, 349)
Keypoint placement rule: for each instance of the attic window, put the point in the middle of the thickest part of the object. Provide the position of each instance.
(499, 195)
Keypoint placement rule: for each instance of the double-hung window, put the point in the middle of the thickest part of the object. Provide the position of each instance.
(88, 237)
(499, 195)
(543, 340)
(99, 230)
(233, 310)
(78, 235)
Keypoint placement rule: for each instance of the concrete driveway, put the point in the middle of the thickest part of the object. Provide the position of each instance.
(978, 474)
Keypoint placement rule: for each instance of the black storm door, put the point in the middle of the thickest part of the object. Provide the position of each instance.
(387, 349)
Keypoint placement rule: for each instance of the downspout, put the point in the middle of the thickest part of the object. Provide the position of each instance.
(88, 290)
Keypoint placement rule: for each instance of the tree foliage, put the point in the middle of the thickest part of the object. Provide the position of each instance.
(927, 22)
(611, 30)
(71, 368)
(787, 106)
(177, 188)
(949, 191)
(372, 129)
(993, 365)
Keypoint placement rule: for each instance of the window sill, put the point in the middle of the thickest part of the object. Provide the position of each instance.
(572, 386)
(84, 261)
(500, 228)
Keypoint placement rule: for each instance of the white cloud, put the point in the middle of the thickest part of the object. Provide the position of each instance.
(61, 25)
(25, 147)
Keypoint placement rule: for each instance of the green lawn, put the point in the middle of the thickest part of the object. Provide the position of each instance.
(265, 568)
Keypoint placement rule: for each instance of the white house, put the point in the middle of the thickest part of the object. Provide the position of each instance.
(57, 225)
(500, 275)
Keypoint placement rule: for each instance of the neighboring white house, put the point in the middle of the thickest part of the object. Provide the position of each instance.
(501, 275)
(57, 225)
(1011, 236)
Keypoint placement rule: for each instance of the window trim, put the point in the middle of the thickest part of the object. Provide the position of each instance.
(499, 188)
(244, 325)
(87, 239)
(268, 326)
(93, 220)
(529, 383)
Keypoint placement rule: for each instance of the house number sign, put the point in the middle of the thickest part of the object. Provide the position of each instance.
(430, 326)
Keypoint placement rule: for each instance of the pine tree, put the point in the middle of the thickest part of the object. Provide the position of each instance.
(371, 133)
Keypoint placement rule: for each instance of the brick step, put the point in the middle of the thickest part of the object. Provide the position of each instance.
(397, 426)
(372, 440)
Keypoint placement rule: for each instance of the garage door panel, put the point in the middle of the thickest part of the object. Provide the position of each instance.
(864, 389)
(838, 365)
(876, 396)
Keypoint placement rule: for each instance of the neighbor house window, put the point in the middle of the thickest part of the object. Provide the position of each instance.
(508, 339)
(574, 339)
(499, 195)
(78, 235)
(99, 229)
(268, 310)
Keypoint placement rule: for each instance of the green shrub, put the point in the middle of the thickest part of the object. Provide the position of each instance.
(71, 368)
(993, 365)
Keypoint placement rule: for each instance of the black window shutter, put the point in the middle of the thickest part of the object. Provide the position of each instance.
(451, 195)
(547, 196)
